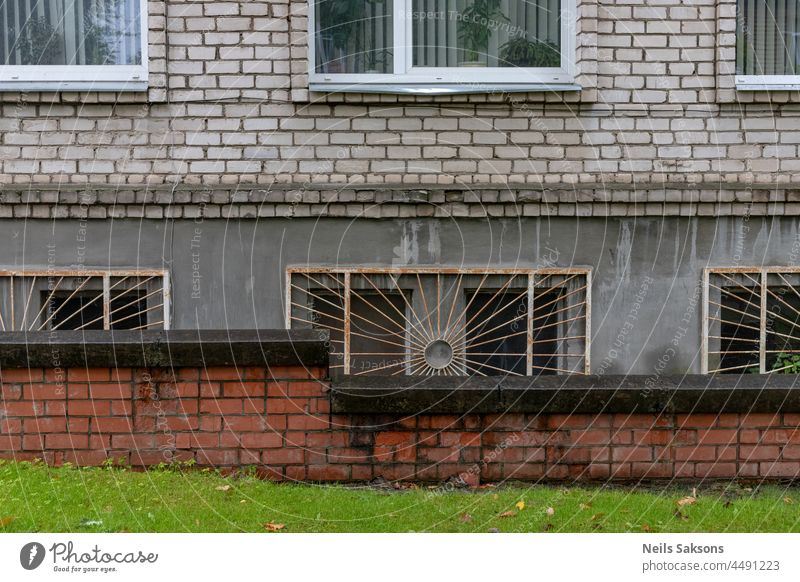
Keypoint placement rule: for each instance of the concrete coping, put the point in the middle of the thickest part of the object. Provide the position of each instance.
(173, 349)
(576, 394)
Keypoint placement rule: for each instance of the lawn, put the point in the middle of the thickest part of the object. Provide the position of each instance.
(34, 497)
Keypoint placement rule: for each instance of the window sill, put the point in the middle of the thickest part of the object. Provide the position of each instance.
(58, 86)
(441, 89)
(167, 349)
(566, 394)
(767, 83)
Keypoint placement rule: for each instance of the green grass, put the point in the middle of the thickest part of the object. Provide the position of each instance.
(34, 497)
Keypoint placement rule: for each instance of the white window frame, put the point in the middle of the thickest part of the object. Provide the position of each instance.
(81, 77)
(767, 82)
(407, 78)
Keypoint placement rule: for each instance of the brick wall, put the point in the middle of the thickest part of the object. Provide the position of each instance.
(278, 419)
(230, 105)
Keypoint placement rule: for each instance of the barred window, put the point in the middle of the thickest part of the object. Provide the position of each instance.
(752, 321)
(446, 322)
(84, 300)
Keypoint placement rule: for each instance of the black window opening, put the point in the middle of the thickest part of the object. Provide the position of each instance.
(67, 310)
(741, 325)
(740, 320)
(497, 331)
(782, 329)
(378, 332)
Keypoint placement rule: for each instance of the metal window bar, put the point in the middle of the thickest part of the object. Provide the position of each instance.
(751, 320)
(60, 299)
(446, 321)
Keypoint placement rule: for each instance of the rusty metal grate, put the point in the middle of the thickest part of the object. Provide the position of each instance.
(751, 320)
(446, 322)
(54, 299)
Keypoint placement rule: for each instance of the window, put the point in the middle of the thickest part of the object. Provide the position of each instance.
(447, 322)
(767, 48)
(73, 44)
(441, 46)
(83, 300)
(752, 322)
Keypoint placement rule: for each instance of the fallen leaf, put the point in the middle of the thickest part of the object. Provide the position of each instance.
(272, 526)
(520, 505)
(224, 488)
(597, 516)
(243, 501)
(646, 528)
(788, 500)
(680, 515)
(547, 527)
(4, 521)
(585, 505)
(465, 518)
(550, 511)
(690, 500)
(508, 514)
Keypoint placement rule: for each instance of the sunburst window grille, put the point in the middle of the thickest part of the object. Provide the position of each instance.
(446, 322)
(84, 300)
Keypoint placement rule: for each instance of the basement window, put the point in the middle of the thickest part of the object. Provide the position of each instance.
(752, 322)
(441, 46)
(446, 323)
(73, 45)
(84, 300)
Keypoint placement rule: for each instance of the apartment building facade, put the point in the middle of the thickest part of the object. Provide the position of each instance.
(460, 188)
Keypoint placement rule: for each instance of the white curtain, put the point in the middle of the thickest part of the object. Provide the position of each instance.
(354, 36)
(436, 30)
(70, 32)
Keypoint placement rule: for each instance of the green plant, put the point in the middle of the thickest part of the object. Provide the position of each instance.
(341, 23)
(787, 364)
(475, 28)
(40, 44)
(520, 52)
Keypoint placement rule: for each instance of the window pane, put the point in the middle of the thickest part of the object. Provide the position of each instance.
(354, 36)
(740, 321)
(766, 39)
(69, 310)
(70, 32)
(486, 33)
(497, 334)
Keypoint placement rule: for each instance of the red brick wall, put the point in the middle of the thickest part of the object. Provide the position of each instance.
(279, 419)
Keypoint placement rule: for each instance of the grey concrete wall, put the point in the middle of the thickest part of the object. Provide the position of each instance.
(230, 274)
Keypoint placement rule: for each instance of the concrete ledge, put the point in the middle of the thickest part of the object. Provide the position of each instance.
(567, 394)
(179, 348)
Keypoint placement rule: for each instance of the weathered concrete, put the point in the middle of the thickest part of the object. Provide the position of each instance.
(566, 395)
(169, 349)
(646, 300)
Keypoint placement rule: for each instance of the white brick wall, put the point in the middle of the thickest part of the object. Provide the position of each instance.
(229, 105)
